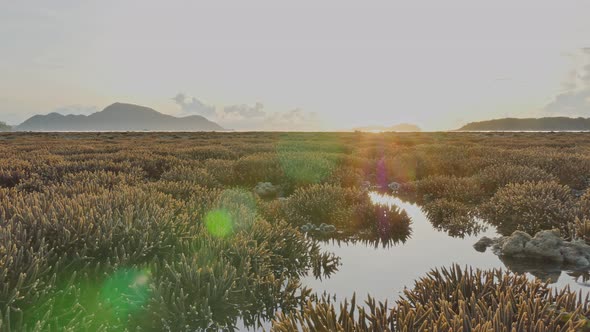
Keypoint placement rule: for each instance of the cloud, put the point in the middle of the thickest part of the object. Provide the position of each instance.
(586, 76)
(575, 103)
(250, 117)
(575, 99)
(192, 106)
(293, 120)
(244, 111)
(296, 119)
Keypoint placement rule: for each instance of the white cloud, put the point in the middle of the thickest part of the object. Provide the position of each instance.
(193, 106)
(250, 117)
(293, 120)
(238, 112)
(575, 99)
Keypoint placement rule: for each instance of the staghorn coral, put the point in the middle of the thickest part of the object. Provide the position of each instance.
(531, 207)
(452, 299)
(79, 211)
(497, 176)
(350, 210)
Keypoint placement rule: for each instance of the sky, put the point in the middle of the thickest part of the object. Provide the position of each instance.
(298, 65)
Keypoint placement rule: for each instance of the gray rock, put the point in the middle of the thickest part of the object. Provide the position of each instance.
(578, 193)
(580, 245)
(545, 245)
(514, 244)
(574, 257)
(394, 186)
(266, 190)
(325, 228)
(330, 229)
(366, 185)
(576, 253)
(483, 244)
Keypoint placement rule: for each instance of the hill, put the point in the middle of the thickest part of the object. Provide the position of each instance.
(118, 117)
(402, 127)
(531, 124)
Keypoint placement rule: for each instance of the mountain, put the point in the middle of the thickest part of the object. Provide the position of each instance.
(532, 124)
(4, 127)
(402, 127)
(118, 117)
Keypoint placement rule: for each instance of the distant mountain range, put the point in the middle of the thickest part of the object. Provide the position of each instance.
(532, 124)
(118, 117)
(402, 127)
(130, 117)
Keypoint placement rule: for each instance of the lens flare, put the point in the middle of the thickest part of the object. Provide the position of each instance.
(219, 223)
(381, 173)
(125, 292)
(309, 161)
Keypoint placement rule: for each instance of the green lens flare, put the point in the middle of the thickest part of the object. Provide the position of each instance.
(219, 223)
(125, 292)
(309, 161)
(306, 168)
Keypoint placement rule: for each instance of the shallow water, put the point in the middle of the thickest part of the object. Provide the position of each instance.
(385, 272)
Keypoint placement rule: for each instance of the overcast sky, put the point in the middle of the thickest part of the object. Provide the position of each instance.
(308, 64)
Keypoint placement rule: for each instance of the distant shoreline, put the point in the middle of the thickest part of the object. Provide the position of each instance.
(547, 124)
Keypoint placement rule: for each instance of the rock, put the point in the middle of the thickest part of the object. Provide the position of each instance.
(578, 193)
(483, 244)
(394, 186)
(574, 257)
(514, 244)
(266, 190)
(546, 245)
(576, 253)
(325, 228)
(366, 185)
(580, 245)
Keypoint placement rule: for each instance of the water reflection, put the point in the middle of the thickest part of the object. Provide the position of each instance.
(363, 239)
(384, 271)
(376, 224)
(544, 270)
(581, 278)
(455, 218)
(548, 271)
